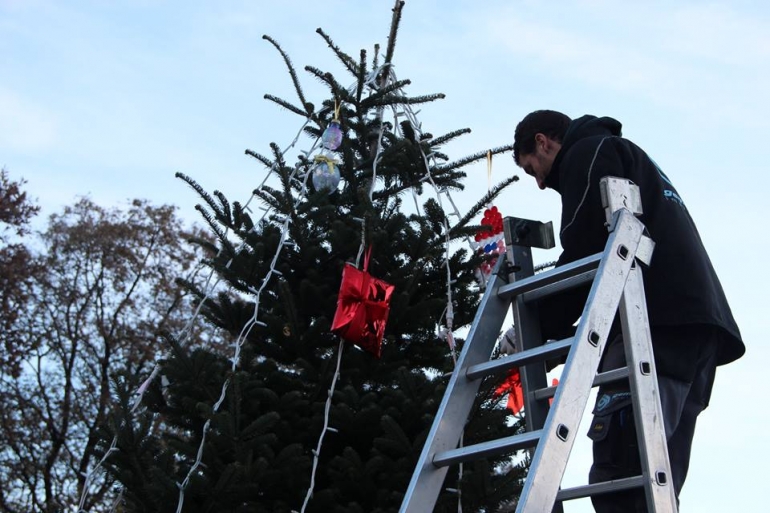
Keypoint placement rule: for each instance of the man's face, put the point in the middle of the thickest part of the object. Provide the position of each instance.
(535, 166)
(538, 164)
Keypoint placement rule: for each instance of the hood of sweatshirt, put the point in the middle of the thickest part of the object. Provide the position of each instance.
(580, 128)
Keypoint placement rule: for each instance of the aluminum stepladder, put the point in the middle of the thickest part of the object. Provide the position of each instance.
(617, 287)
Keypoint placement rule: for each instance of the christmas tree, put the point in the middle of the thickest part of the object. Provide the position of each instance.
(288, 416)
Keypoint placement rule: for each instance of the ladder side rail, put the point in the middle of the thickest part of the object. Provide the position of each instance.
(452, 415)
(572, 395)
(643, 381)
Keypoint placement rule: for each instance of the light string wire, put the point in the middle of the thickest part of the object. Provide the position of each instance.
(253, 321)
(327, 409)
(371, 84)
(448, 314)
(208, 290)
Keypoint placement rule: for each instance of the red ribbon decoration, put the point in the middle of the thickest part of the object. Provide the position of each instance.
(512, 386)
(363, 305)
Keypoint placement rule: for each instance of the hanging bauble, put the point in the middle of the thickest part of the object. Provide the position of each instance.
(326, 175)
(332, 136)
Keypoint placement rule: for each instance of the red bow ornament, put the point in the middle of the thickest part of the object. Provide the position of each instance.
(363, 305)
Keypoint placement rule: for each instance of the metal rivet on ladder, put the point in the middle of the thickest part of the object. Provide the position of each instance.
(594, 338)
(622, 252)
(562, 432)
(645, 368)
(661, 478)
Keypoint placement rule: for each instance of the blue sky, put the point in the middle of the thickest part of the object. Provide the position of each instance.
(111, 99)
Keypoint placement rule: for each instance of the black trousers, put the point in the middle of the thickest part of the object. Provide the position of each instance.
(685, 360)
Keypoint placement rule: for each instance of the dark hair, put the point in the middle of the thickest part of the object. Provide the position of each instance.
(550, 123)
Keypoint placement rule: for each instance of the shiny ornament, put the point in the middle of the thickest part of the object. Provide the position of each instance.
(363, 305)
(332, 136)
(326, 175)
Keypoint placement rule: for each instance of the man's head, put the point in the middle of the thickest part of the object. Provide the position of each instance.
(537, 140)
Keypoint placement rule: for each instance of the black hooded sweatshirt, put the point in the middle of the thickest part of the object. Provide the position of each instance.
(681, 286)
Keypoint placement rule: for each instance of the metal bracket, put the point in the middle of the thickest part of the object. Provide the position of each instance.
(528, 233)
(645, 249)
(619, 193)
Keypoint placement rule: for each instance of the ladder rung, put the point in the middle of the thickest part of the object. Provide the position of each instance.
(601, 379)
(549, 277)
(610, 376)
(537, 354)
(490, 448)
(566, 284)
(617, 485)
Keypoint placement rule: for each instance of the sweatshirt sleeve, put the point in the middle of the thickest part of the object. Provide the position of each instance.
(583, 230)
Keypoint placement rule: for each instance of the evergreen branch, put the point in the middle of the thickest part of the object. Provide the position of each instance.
(265, 161)
(392, 209)
(449, 179)
(408, 130)
(456, 234)
(197, 188)
(338, 90)
(211, 221)
(286, 105)
(397, 100)
(392, 191)
(483, 202)
(384, 91)
(426, 98)
(437, 155)
(313, 132)
(393, 31)
(242, 219)
(286, 182)
(501, 149)
(204, 243)
(347, 61)
(269, 196)
(278, 154)
(361, 78)
(375, 59)
(471, 158)
(226, 212)
(438, 141)
(292, 72)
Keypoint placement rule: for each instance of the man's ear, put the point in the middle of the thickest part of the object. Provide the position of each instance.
(548, 145)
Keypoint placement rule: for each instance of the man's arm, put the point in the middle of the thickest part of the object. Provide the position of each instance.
(583, 230)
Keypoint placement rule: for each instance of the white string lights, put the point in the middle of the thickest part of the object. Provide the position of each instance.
(327, 409)
(253, 321)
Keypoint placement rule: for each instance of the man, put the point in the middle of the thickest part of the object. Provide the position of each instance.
(693, 329)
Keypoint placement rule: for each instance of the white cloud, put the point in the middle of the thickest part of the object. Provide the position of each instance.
(689, 58)
(24, 125)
